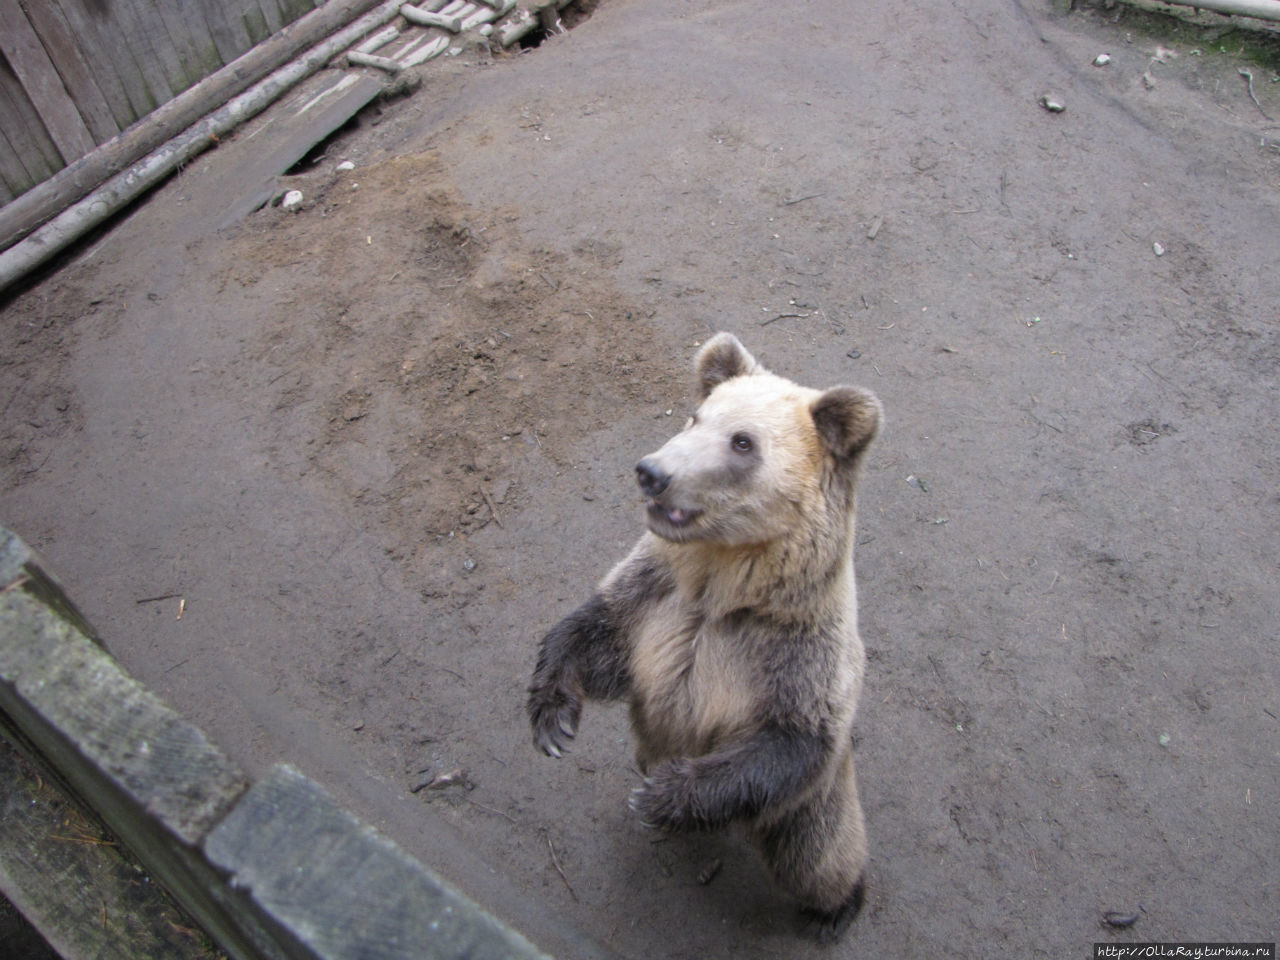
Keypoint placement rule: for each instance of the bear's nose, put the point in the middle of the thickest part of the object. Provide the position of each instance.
(652, 478)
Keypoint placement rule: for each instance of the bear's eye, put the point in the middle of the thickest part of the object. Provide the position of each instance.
(742, 443)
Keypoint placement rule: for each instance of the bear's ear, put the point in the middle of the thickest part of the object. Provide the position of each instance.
(847, 420)
(722, 358)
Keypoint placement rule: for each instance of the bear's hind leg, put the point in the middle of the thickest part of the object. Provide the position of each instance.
(818, 852)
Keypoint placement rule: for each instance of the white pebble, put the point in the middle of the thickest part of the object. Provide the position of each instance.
(292, 199)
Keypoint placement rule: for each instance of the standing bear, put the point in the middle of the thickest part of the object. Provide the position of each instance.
(732, 628)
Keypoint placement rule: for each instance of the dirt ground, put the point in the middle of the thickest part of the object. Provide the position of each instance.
(377, 446)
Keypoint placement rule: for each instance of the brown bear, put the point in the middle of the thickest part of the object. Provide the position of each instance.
(732, 630)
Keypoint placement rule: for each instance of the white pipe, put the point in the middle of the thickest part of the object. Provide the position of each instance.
(1262, 9)
(127, 186)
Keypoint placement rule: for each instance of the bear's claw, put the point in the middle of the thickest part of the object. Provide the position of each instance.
(554, 716)
(637, 803)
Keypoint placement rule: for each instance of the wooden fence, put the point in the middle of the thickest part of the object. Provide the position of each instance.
(75, 73)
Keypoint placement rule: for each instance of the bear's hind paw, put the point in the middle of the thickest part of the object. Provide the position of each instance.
(828, 926)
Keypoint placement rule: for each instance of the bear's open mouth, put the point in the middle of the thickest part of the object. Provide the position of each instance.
(675, 516)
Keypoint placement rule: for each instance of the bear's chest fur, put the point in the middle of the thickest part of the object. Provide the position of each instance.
(692, 685)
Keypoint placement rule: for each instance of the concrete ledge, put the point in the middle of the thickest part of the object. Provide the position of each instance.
(272, 871)
(339, 888)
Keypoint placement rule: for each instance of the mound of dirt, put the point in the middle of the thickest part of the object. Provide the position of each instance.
(418, 352)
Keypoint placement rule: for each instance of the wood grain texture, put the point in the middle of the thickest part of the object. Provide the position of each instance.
(42, 84)
(32, 156)
(77, 76)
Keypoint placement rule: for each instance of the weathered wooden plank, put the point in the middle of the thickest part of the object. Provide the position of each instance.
(31, 64)
(113, 91)
(34, 155)
(207, 51)
(156, 780)
(75, 704)
(271, 15)
(13, 175)
(227, 29)
(251, 175)
(181, 44)
(255, 24)
(106, 50)
(74, 881)
(290, 10)
(284, 10)
(144, 34)
(77, 76)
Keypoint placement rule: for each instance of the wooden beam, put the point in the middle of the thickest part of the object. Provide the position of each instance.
(1262, 9)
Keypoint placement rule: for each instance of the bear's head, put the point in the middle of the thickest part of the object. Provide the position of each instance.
(761, 459)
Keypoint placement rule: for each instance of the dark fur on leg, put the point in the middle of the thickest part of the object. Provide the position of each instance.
(579, 657)
(585, 655)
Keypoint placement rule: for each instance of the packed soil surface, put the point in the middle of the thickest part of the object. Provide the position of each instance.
(323, 477)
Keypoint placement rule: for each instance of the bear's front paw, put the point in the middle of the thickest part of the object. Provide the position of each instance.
(554, 713)
(668, 801)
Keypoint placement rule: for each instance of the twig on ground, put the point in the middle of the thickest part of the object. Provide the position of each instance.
(555, 861)
(1248, 75)
(493, 511)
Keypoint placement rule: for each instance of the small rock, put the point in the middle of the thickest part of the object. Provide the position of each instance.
(1102, 59)
(1052, 103)
(468, 565)
(292, 199)
(1158, 248)
(1119, 920)
(346, 165)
